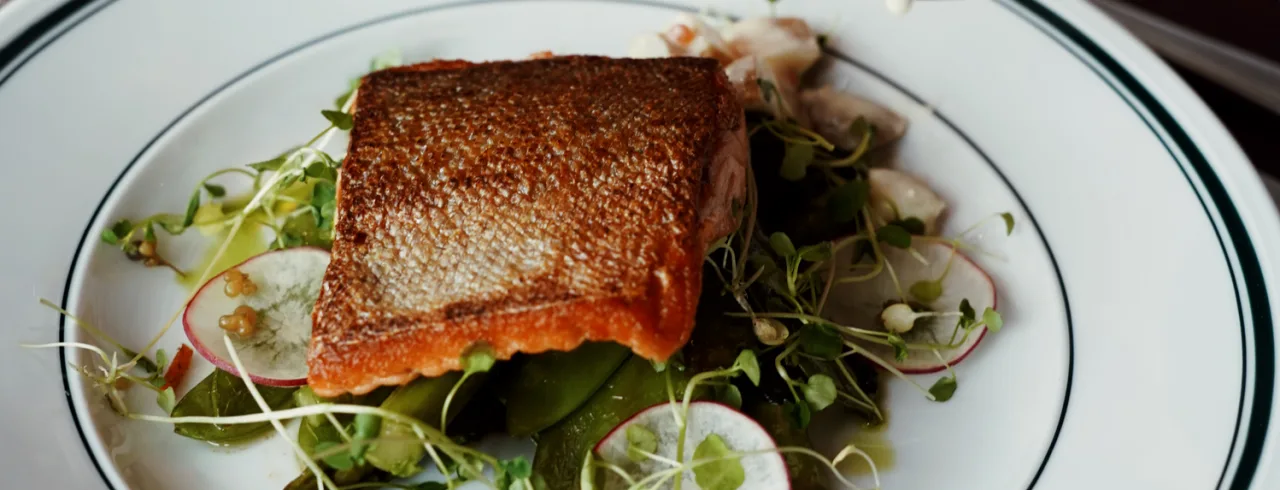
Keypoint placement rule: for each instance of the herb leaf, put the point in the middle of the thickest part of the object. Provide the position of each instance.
(747, 362)
(640, 440)
(339, 119)
(724, 474)
(967, 315)
(894, 235)
(480, 358)
(166, 399)
(820, 391)
(943, 389)
(386, 59)
(781, 244)
(992, 319)
(1008, 223)
(340, 461)
(899, 347)
(729, 395)
(324, 200)
(518, 467)
(193, 205)
(847, 200)
(270, 165)
(796, 161)
(366, 427)
(117, 232)
(816, 253)
(912, 224)
(215, 190)
(821, 341)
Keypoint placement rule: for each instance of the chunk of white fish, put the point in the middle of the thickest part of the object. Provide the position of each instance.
(899, 195)
(831, 112)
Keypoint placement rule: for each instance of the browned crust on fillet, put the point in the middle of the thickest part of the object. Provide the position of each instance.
(531, 205)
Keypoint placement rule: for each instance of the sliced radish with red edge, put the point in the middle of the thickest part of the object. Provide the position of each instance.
(740, 433)
(860, 304)
(288, 283)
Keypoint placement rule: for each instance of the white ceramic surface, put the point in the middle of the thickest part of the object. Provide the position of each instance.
(1138, 349)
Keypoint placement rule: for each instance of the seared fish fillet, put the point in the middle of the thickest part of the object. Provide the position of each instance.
(530, 205)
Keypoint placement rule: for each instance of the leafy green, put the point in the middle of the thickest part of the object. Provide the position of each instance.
(118, 232)
(324, 201)
(1008, 223)
(847, 199)
(166, 399)
(386, 59)
(271, 165)
(992, 320)
(303, 230)
(726, 473)
(781, 244)
(894, 235)
(943, 389)
(640, 440)
(512, 474)
(215, 190)
(899, 347)
(912, 224)
(815, 253)
(821, 341)
(480, 358)
(747, 362)
(366, 427)
(341, 460)
(820, 391)
(339, 119)
(193, 205)
(730, 395)
(796, 161)
(222, 394)
(967, 315)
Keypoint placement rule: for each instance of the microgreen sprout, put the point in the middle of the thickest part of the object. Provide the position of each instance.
(479, 358)
(820, 391)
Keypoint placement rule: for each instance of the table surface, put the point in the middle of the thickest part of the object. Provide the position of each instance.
(1253, 25)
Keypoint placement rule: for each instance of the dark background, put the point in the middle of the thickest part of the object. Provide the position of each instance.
(1253, 25)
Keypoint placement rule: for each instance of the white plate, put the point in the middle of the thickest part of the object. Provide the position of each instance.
(1138, 350)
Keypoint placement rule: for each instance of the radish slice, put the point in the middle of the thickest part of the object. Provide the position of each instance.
(860, 304)
(288, 283)
(762, 471)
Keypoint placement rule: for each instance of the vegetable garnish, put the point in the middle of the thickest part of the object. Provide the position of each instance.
(268, 317)
(178, 368)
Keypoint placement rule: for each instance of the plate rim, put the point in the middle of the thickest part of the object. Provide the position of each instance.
(1192, 161)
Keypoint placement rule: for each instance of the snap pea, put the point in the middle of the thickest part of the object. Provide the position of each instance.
(423, 399)
(632, 388)
(551, 385)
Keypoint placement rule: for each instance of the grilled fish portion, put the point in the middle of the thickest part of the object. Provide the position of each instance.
(529, 205)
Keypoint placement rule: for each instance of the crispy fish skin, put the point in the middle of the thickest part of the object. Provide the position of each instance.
(530, 205)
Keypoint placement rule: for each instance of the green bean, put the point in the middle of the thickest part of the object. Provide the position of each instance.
(549, 386)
